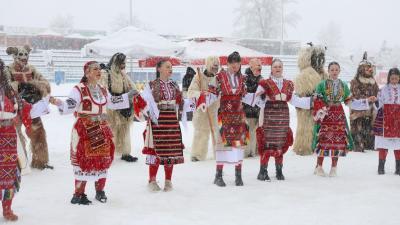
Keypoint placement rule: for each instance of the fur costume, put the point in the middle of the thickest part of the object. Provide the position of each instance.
(32, 86)
(203, 119)
(311, 64)
(118, 82)
(363, 86)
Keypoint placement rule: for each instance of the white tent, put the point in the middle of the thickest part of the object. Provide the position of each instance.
(200, 48)
(134, 42)
(204, 47)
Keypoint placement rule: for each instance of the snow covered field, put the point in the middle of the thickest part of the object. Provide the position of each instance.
(357, 196)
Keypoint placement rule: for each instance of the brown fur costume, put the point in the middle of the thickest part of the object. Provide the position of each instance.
(202, 120)
(361, 121)
(311, 64)
(22, 73)
(120, 125)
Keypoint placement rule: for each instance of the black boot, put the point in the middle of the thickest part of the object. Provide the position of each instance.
(101, 196)
(381, 167)
(279, 174)
(129, 158)
(397, 167)
(263, 174)
(218, 179)
(238, 177)
(80, 199)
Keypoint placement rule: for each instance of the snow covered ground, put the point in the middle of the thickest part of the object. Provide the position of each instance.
(357, 196)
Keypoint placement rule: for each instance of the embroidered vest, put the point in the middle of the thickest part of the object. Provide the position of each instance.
(88, 106)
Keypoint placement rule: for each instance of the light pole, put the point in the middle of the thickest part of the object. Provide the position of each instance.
(130, 13)
(282, 26)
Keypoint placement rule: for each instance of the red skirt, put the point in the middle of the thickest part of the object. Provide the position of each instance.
(332, 135)
(275, 136)
(95, 148)
(167, 146)
(9, 173)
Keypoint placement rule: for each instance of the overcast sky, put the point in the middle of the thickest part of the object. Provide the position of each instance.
(364, 23)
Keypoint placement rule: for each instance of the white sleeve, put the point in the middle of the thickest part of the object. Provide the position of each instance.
(73, 101)
(118, 102)
(260, 90)
(359, 104)
(249, 99)
(301, 102)
(147, 95)
(40, 108)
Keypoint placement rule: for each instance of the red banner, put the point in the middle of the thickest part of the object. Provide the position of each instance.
(152, 61)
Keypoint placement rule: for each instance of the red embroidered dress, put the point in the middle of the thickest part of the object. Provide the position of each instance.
(332, 136)
(10, 177)
(233, 130)
(387, 122)
(163, 138)
(92, 148)
(275, 135)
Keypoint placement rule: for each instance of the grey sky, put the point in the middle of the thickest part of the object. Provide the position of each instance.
(364, 23)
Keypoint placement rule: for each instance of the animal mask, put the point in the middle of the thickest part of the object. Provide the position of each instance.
(20, 54)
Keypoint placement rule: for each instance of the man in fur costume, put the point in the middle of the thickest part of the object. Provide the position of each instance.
(203, 88)
(363, 89)
(31, 86)
(115, 79)
(311, 64)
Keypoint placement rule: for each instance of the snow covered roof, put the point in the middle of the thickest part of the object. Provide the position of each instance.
(134, 42)
(201, 48)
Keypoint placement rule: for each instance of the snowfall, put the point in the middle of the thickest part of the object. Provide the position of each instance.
(356, 196)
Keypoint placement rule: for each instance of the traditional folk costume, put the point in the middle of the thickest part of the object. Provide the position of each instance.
(252, 112)
(32, 87)
(92, 147)
(233, 130)
(311, 64)
(387, 123)
(362, 87)
(274, 135)
(163, 138)
(332, 136)
(205, 115)
(10, 176)
(118, 83)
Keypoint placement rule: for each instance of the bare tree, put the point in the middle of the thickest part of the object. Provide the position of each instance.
(263, 18)
(122, 20)
(62, 24)
(331, 37)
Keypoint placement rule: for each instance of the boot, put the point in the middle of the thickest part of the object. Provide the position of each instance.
(218, 179)
(279, 174)
(332, 173)
(80, 199)
(195, 159)
(8, 214)
(168, 186)
(381, 167)
(129, 158)
(397, 167)
(238, 177)
(319, 171)
(101, 196)
(153, 186)
(263, 174)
